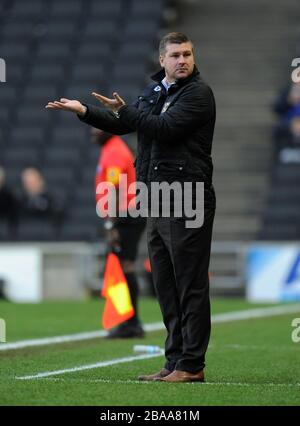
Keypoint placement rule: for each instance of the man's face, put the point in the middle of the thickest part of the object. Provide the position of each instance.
(178, 60)
(33, 182)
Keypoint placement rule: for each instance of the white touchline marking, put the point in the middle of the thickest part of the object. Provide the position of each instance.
(216, 319)
(69, 338)
(254, 313)
(91, 366)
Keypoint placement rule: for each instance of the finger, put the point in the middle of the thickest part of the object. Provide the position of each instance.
(55, 105)
(64, 100)
(97, 95)
(118, 97)
(101, 98)
(51, 105)
(60, 104)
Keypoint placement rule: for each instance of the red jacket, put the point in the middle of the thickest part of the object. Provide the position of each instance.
(116, 159)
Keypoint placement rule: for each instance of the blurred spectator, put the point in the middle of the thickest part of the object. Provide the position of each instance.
(287, 100)
(36, 201)
(287, 107)
(288, 143)
(8, 204)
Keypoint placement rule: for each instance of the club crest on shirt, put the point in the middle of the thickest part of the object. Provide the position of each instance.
(112, 175)
(157, 89)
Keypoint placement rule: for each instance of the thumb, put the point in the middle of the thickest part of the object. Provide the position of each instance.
(117, 97)
(64, 100)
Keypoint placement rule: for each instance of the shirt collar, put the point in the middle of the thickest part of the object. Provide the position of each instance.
(159, 76)
(167, 85)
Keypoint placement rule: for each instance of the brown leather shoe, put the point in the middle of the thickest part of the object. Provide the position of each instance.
(155, 377)
(178, 376)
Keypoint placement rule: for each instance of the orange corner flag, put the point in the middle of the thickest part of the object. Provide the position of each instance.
(118, 307)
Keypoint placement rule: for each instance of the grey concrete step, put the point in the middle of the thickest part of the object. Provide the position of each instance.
(238, 187)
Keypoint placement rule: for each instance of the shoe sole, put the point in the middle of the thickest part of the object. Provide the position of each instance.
(182, 381)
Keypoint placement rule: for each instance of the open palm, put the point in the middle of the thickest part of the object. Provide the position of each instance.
(114, 103)
(64, 104)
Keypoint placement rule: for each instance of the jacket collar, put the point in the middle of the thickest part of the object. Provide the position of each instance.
(160, 75)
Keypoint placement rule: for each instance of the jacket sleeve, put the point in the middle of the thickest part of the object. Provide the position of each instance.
(104, 119)
(191, 110)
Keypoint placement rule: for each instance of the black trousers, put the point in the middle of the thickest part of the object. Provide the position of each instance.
(180, 260)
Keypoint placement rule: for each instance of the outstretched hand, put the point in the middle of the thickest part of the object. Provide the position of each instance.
(114, 104)
(71, 105)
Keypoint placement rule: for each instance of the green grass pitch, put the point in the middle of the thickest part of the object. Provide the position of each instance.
(249, 362)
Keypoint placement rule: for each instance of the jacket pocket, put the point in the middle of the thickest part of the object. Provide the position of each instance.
(146, 102)
(168, 170)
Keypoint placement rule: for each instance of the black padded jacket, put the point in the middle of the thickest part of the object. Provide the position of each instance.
(175, 130)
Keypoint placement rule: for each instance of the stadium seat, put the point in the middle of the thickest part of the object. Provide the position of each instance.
(141, 30)
(47, 73)
(93, 52)
(106, 31)
(21, 156)
(67, 48)
(60, 29)
(17, 31)
(30, 8)
(39, 94)
(144, 8)
(70, 8)
(135, 49)
(86, 72)
(57, 156)
(53, 52)
(14, 52)
(8, 94)
(70, 136)
(81, 91)
(57, 177)
(31, 115)
(106, 9)
(4, 114)
(27, 137)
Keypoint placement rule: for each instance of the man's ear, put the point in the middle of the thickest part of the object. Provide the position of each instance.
(161, 60)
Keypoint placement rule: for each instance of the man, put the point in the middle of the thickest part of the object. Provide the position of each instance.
(37, 202)
(123, 233)
(174, 119)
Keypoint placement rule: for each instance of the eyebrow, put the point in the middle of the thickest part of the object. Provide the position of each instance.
(177, 52)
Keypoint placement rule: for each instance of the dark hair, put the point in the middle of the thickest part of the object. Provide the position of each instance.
(174, 37)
